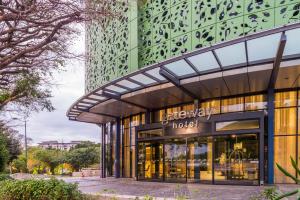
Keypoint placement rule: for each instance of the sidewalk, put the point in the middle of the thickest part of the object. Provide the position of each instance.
(130, 189)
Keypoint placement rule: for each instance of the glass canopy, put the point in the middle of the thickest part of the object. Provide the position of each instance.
(232, 55)
(180, 68)
(263, 48)
(255, 49)
(204, 62)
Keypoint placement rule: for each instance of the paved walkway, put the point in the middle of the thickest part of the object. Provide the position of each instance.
(129, 189)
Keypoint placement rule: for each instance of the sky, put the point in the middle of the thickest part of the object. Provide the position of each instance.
(69, 86)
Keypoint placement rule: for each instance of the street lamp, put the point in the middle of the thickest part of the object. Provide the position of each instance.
(25, 134)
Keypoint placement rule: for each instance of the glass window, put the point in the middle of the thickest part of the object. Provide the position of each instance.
(150, 161)
(126, 122)
(214, 104)
(135, 121)
(126, 162)
(126, 137)
(285, 121)
(150, 133)
(188, 107)
(143, 120)
(237, 125)
(175, 160)
(232, 105)
(158, 115)
(199, 159)
(284, 147)
(133, 161)
(236, 159)
(256, 102)
(174, 109)
(285, 99)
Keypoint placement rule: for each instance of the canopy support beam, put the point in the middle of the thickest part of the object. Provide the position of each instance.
(176, 82)
(277, 61)
(118, 98)
(100, 114)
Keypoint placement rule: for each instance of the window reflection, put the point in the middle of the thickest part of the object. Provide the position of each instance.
(255, 102)
(150, 133)
(232, 105)
(158, 115)
(285, 121)
(237, 125)
(214, 104)
(284, 147)
(175, 160)
(150, 161)
(285, 99)
(236, 159)
(199, 159)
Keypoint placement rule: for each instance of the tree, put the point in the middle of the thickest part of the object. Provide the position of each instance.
(83, 157)
(86, 144)
(12, 141)
(4, 155)
(34, 40)
(51, 157)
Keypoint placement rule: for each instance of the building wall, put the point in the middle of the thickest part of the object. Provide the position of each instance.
(149, 31)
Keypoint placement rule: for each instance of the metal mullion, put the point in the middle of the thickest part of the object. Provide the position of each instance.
(186, 160)
(130, 140)
(164, 174)
(217, 59)
(123, 87)
(192, 65)
(152, 77)
(136, 82)
(213, 160)
(297, 119)
(246, 51)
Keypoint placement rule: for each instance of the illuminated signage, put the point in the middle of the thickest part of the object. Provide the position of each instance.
(183, 117)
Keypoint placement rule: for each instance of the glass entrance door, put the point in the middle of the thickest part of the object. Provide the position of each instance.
(199, 159)
(236, 159)
(150, 161)
(226, 159)
(175, 160)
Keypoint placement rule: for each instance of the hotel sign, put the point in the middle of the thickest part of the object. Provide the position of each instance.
(199, 112)
(188, 122)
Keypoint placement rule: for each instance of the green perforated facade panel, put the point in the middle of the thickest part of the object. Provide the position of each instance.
(151, 31)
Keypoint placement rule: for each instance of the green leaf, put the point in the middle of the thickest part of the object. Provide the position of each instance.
(294, 164)
(287, 194)
(287, 173)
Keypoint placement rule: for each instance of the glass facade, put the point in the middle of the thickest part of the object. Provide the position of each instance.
(286, 132)
(232, 158)
(236, 159)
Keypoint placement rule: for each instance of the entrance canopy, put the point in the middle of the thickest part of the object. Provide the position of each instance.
(255, 63)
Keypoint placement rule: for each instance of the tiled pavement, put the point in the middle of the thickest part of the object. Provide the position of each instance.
(129, 189)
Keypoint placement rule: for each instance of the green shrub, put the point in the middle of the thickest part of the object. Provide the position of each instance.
(52, 189)
(4, 177)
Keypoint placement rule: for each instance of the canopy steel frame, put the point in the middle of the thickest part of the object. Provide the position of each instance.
(118, 98)
(163, 72)
(277, 61)
(118, 95)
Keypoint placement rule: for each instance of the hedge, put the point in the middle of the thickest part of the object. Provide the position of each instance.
(52, 189)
